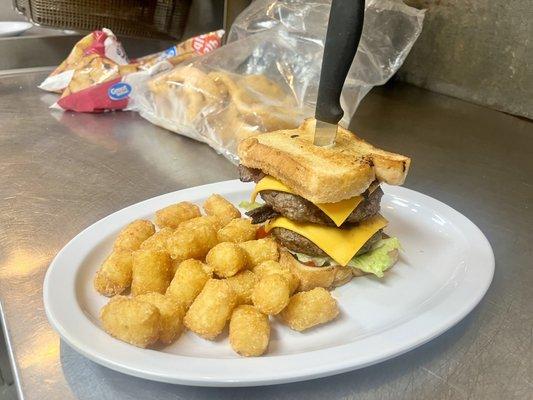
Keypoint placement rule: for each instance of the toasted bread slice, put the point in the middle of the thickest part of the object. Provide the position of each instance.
(322, 174)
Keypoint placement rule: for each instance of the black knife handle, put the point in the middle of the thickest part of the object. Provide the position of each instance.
(342, 39)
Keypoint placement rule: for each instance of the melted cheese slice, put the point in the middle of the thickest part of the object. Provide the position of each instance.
(338, 212)
(339, 244)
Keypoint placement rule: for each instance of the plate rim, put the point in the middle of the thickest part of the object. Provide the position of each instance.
(19, 27)
(297, 375)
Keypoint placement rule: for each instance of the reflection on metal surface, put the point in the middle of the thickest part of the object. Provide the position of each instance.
(42, 351)
(90, 128)
(20, 263)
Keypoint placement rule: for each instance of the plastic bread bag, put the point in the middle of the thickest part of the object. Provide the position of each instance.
(390, 30)
(215, 100)
(98, 84)
(88, 52)
(266, 77)
(180, 52)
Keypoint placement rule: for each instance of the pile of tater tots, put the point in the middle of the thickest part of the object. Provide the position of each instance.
(201, 272)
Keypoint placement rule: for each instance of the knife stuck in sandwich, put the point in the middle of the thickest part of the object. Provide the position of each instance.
(342, 39)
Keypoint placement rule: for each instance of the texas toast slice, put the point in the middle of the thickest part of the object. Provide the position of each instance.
(322, 174)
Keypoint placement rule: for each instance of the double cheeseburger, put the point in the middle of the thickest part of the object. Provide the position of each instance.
(322, 204)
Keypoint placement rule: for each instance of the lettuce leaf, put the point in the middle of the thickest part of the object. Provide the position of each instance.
(248, 206)
(378, 259)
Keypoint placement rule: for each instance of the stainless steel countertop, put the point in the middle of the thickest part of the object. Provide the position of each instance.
(60, 173)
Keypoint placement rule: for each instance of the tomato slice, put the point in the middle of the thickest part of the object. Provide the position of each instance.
(261, 233)
(309, 263)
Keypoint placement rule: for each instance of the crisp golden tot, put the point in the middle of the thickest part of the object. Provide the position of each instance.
(308, 309)
(174, 264)
(226, 259)
(210, 311)
(243, 285)
(114, 276)
(210, 220)
(273, 267)
(172, 313)
(151, 272)
(208, 270)
(158, 241)
(249, 331)
(260, 250)
(269, 267)
(237, 231)
(220, 207)
(188, 282)
(132, 321)
(192, 243)
(173, 215)
(132, 236)
(271, 294)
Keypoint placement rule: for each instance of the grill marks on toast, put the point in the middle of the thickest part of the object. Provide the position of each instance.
(321, 174)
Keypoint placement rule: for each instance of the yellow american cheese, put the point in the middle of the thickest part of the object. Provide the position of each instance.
(338, 212)
(339, 244)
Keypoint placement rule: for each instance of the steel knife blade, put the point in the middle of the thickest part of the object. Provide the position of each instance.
(325, 133)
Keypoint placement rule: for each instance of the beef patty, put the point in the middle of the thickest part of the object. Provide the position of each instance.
(299, 244)
(298, 209)
(250, 174)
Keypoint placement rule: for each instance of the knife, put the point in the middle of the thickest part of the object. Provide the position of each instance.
(342, 39)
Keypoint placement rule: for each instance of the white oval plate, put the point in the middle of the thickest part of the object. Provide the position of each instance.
(445, 269)
(13, 28)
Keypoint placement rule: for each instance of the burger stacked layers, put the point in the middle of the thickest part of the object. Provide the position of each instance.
(335, 235)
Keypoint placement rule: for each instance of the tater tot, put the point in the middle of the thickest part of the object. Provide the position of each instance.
(237, 231)
(172, 313)
(158, 241)
(174, 264)
(243, 284)
(249, 331)
(260, 250)
(271, 294)
(203, 220)
(210, 311)
(132, 321)
(151, 272)
(307, 309)
(226, 259)
(273, 267)
(131, 237)
(192, 243)
(220, 207)
(208, 270)
(188, 282)
(175, 214)
(114, 276)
